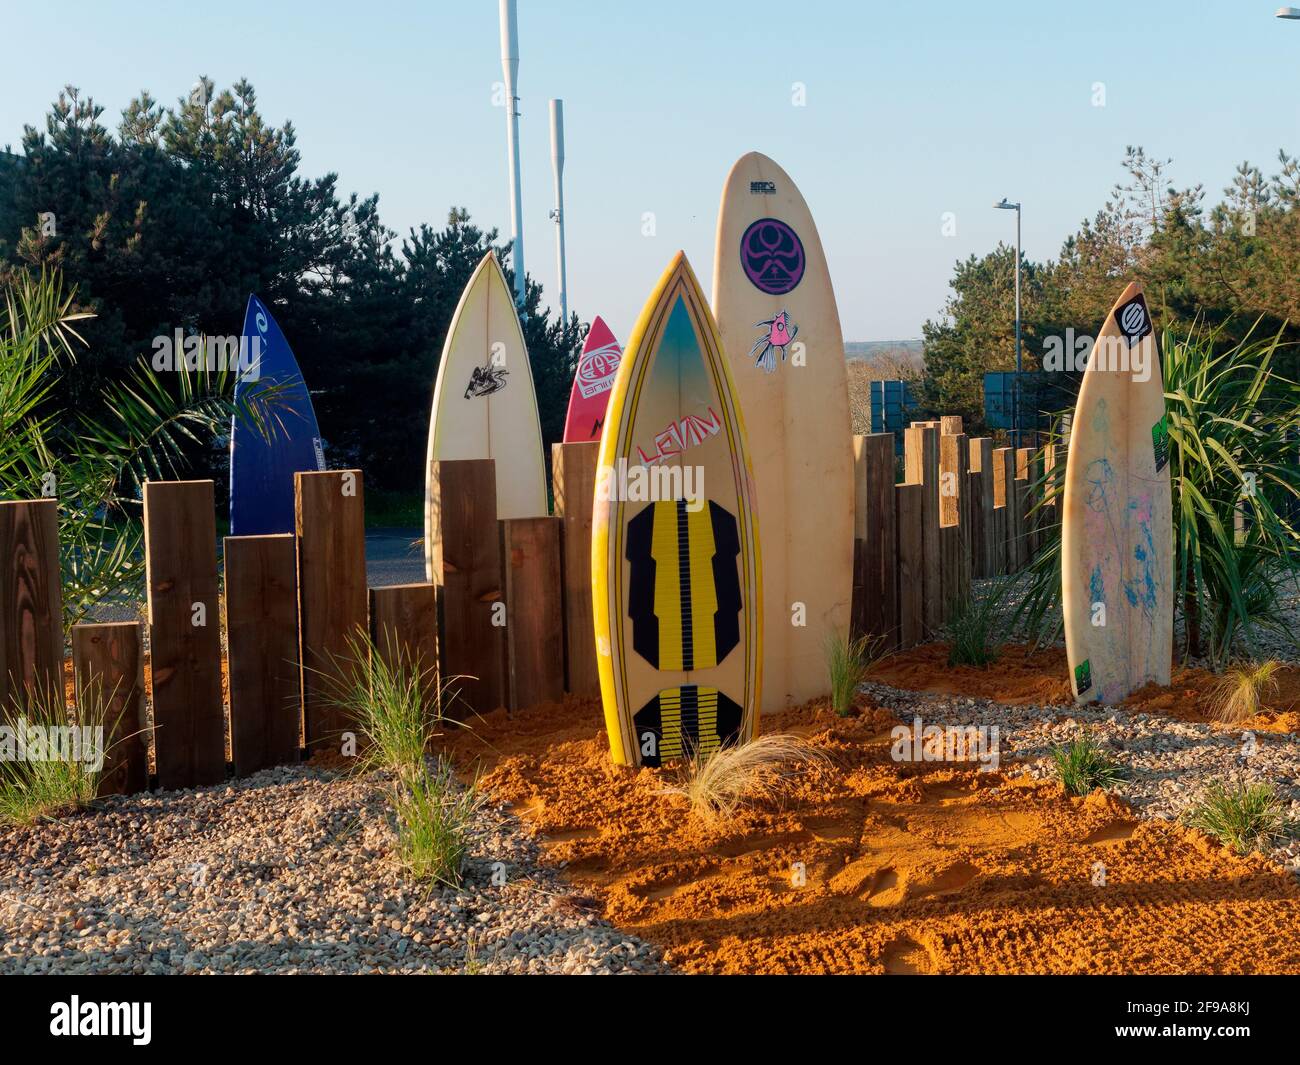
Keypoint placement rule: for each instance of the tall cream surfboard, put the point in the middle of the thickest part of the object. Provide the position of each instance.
(484, 404)
(776, 312)
(675, 571)
(1117, 531)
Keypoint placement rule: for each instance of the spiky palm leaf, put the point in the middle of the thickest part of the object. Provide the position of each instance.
(95, 463)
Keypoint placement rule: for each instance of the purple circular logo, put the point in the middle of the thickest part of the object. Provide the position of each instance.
(772, 255)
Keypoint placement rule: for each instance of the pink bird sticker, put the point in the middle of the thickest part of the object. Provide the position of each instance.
(778, 334)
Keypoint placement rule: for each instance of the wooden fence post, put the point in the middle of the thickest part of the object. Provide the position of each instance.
(954, 515)
(530, 564)
(911, 564)
(180, 538)
(329, 508)
(1024, 496)
(266, 726)
(31, 603)
(108, 667)
(1003, 478)
(982, 521)
(921, 458)
(404, 631)
(573, 476)
(950, 425)
(467, 570)
(875, 529)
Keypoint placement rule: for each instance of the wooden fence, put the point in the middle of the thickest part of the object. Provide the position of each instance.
(965, 509)
(505, 621)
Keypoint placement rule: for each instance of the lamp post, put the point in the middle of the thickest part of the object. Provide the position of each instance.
(1288, 12)
(1007, 205)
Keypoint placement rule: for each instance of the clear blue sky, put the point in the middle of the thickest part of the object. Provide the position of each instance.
(913, 109)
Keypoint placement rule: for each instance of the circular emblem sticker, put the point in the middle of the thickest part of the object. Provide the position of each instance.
(772, 255)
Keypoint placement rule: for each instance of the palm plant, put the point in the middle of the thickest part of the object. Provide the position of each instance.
(94, 463)
(1234, 423)
(1234, 446)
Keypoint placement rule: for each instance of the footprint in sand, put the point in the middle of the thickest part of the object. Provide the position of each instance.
(906, 957)
(567, 835)
(887, 889)
(1114, 832)
(948, 882)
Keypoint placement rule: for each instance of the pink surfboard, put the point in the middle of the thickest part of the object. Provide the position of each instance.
(597, 366)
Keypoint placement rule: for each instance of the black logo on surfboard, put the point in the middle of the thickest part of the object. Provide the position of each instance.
(1134, 320)
(486, 380)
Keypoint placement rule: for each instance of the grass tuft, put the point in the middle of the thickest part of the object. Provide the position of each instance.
(394, 702)
(1242, 690)
(848, 661)
(434, 816)
(396, 705)
(38, 788)
(1084, 766)
(717, 785)
(975, 618)
(1242, 816)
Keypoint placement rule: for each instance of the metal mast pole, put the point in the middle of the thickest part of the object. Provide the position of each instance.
(557, 165)
(510, 65)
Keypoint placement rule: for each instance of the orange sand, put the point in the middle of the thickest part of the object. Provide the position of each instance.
(1021, 677)
(909, 868)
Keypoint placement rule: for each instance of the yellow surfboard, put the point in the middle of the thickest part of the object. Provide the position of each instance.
(675, 571)
(484, 403)
(778, 320)
(1117, 521)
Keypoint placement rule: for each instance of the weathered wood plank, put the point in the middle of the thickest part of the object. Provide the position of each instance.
(404, 631)
(31, 603)
(1003, 477)
(265, 678)
(530, 563)
(954, 502)
(108, 671)
(573, 474)
(921, 458)
(911, 564)
(467, 571)
(983, 546)
(329, 509)
(180, 536)
(875, 529)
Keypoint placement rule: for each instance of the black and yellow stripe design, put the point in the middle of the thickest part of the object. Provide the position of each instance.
(685, 722)
(684, 598)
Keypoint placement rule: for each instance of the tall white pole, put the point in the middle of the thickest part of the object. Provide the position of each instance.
(557, 165)
(510, 65)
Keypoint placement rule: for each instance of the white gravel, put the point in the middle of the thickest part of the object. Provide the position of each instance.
(287, 871)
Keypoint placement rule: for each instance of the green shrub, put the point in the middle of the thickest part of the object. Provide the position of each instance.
(1084, 766)
(975, 625)
(1239, 815)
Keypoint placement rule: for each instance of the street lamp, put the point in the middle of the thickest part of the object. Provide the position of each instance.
(1288, 12)
(1007, 205)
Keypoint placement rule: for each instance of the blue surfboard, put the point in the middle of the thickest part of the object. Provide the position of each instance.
(264, 459)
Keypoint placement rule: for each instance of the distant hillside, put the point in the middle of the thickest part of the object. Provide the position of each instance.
(906, 351)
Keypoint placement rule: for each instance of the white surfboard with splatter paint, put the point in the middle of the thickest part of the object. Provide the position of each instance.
(1117, 531)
